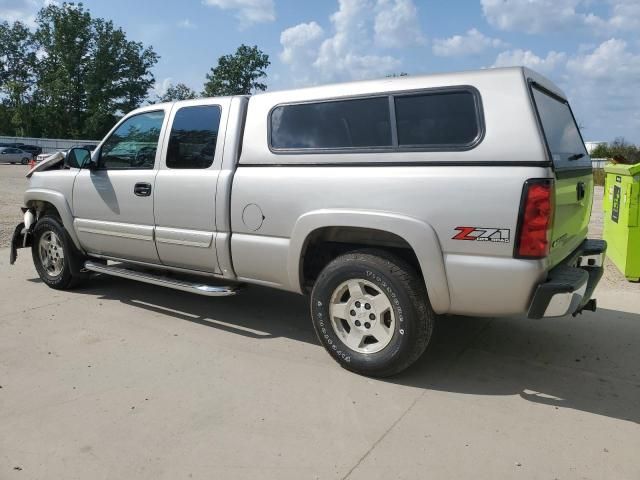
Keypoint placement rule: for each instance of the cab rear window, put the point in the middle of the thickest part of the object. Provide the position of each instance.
(561, 132)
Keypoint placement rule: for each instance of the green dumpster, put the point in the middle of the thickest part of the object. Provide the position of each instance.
(622, 217)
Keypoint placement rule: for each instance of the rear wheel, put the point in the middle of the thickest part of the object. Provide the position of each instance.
(371, 313)
(53, 254)
(25, 161)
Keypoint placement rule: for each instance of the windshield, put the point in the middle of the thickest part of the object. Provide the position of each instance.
(561, 132)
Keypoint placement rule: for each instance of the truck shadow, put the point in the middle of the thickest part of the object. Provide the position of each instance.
(589, 363)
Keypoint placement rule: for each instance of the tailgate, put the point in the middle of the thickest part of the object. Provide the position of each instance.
(573, 173)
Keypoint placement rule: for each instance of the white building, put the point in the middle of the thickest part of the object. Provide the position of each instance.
(591, 145)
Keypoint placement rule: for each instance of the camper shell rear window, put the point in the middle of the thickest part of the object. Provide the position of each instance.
(561, 132)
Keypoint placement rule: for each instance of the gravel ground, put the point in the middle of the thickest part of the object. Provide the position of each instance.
(12, 186)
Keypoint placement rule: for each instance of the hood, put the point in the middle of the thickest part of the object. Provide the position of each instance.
(48, 163)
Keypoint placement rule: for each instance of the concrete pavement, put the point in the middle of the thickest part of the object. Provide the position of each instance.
(124, 380)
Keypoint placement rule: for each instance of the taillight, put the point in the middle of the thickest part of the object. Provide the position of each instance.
(536, 218)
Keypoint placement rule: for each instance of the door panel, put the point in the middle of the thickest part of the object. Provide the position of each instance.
(185, 188)
(110, 219)
(185, 218)
(113, 203)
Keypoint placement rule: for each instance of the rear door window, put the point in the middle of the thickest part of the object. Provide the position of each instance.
(194, 134)
(560, 131)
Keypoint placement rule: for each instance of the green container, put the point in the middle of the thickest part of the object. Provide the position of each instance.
(622, 217)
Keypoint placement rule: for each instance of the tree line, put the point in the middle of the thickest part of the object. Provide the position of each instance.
(618, 149)
(74, 75)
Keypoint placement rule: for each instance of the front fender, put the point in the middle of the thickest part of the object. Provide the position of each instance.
(419, 235)
(57, 199)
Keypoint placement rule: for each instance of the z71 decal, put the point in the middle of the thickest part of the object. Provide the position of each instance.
(483, 234)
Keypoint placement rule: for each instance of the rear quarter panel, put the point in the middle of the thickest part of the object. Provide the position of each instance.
(482, 277)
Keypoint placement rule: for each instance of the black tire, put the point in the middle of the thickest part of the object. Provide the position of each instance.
(67, 278)
(414, 317)
(24, 161)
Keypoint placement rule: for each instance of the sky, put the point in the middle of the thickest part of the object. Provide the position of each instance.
(590, 48)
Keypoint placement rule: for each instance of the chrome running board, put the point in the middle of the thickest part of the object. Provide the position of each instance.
(184, 285)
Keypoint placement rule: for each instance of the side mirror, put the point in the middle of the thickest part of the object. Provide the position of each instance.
(78, 157)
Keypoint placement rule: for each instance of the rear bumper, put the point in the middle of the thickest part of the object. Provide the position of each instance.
(570, 285)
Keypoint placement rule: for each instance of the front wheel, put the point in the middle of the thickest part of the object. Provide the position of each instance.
(53, 253)
(371, 313)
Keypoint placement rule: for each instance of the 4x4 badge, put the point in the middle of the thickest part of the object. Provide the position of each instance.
(483, 234)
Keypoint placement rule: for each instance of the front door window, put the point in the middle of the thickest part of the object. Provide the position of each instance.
(134, 143)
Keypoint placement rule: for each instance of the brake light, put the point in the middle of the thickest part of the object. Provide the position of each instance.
(536, 218)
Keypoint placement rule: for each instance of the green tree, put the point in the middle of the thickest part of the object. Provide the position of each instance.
(238, 74)
(600, 151)
(119, 77)
(64, 38)
(17, 64)
(619, 149)
(179, 91)
(72, 77)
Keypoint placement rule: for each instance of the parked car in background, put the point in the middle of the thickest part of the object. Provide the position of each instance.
(14, 155)
(42, 156)
(34, 150)
(64, 151)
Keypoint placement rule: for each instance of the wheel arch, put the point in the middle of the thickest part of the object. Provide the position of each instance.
(418, 235)
(43, 200)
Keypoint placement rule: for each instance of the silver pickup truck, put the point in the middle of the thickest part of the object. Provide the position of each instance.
(388, 202)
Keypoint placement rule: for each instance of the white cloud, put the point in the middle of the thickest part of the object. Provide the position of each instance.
(346, 55)
(601, 82)
(526, 58)
(530, 16)
(603, 85)
(160, 88)
(248, 12)
(187, 24)
(611, 60)
(535, 16)
(19, 10)
(356, 48)
(396, 24)
(625, 15)
(472, 42)
(300, 43)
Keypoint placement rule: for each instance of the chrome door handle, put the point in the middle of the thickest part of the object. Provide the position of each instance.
(142, 189)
